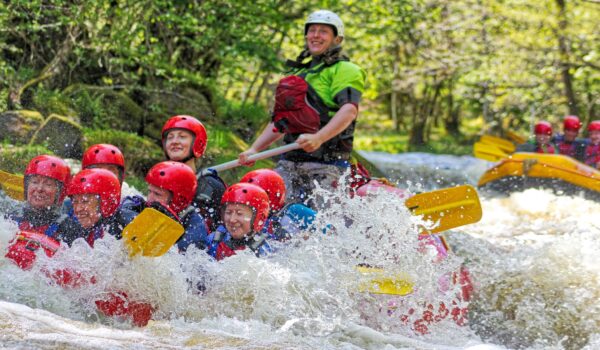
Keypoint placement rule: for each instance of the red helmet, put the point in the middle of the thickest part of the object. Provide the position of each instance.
(100, 182)
(191, 124)
(104, 154)
(594, 126)
(252, 196)
(543, 127)
(271, 182)
(177, 178)
(571, 122)
(52, 167)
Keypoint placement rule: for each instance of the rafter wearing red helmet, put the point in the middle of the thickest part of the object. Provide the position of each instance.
(542, 141)
(568, 143)
(105, 156)
(184, 140)
(284, 220)
(45, 182)
(245, 211)
(95, 195)
(171, 188)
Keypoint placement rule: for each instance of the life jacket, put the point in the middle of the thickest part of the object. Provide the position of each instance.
(96, 232)
(547, 149)
(567, 148)
(113, 225)
(592, 155)
(222, 245)
(299, 109)
(31, 237)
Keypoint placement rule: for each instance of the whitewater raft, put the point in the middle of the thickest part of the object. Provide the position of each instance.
(562, 174)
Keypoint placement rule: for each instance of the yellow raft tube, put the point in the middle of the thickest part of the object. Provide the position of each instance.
(558, 172)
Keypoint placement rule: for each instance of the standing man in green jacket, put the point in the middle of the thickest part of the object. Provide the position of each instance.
(316, 105)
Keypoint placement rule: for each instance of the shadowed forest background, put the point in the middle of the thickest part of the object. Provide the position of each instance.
(439, 72)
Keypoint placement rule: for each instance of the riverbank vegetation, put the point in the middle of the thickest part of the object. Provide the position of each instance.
(439, 72)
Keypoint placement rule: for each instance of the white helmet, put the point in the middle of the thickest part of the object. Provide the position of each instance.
(325, 17)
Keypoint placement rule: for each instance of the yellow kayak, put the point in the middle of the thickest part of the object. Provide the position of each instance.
(526, 170)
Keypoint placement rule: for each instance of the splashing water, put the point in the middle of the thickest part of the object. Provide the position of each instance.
(537, 266)
(306, 294)
(532, 257)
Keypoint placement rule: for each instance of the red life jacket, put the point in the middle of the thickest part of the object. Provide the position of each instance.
(225, 251)
(592, 155)
(25, 245)
(567, 148)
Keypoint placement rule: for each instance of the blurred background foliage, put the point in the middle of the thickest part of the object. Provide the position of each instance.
(439, 72)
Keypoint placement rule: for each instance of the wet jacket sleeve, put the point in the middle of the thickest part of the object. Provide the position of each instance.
(195, 232)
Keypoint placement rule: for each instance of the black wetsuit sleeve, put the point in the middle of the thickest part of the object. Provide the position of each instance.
(208, 198)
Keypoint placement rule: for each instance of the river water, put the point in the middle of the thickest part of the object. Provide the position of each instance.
(533, 259)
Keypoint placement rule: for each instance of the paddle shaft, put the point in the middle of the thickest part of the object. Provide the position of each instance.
(258, 156)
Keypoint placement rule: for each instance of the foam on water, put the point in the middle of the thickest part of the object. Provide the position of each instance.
(536, 263)
(533, 258)
(305, 295)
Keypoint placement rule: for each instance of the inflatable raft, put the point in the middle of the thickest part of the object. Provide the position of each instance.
(560, 173)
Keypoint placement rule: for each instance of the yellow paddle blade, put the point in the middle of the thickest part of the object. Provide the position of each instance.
(516, 138)
(151, 233)
(503, 144)
(12, 185)
(382, 284)
(450, 207)
(488, 152)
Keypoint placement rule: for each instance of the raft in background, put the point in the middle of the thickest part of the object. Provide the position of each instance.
(559, 173)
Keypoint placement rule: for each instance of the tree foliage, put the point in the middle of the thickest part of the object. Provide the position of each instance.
(432, 65)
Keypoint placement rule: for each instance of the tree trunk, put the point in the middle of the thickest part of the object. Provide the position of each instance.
(452, 122)
(417, 131)
(563, 49)
(53, 68)
(394, 96)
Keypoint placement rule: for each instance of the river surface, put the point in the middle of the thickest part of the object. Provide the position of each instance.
(533, 259)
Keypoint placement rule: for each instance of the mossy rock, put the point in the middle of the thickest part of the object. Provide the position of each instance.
(183, 101)
(53, 102)
(101, 108)
(14, 159)
(19, 126)
(60, 135)
(140, 153)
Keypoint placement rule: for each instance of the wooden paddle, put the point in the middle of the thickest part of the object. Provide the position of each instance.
(258, 156)
(12, 185)
(503, 144)
(488, 152)
(151, 233)
(449, 208)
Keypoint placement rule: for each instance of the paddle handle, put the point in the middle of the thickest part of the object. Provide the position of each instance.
(258, 156)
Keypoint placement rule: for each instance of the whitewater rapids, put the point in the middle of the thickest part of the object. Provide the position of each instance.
(533, 258)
